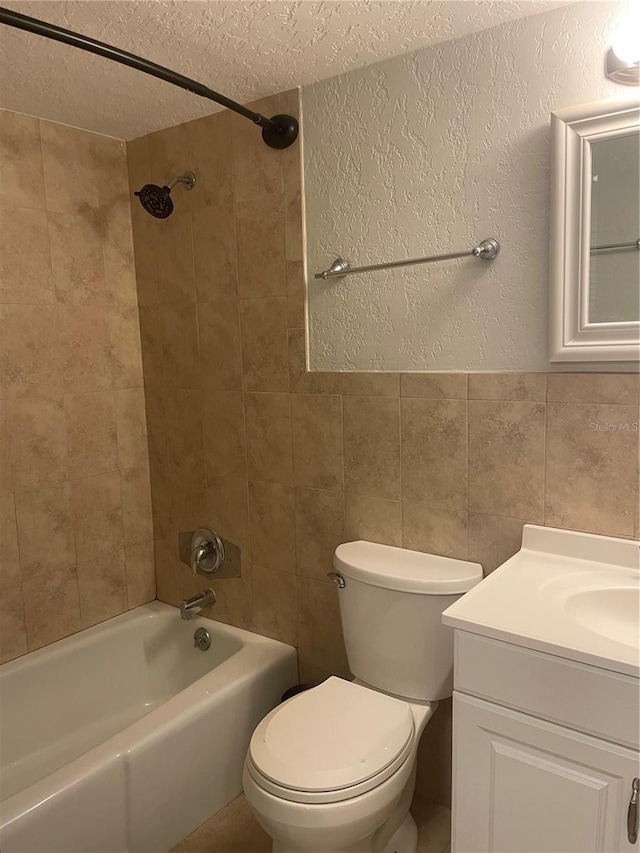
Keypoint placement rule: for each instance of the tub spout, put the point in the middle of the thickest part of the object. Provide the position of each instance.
(190, 607)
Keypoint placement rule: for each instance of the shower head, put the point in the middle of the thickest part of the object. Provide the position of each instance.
(157, 200)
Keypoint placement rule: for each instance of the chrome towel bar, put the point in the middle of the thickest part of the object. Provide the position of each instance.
(634, 244)
(487, 250)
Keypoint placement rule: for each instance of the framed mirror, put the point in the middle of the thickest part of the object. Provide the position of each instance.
(595, 233)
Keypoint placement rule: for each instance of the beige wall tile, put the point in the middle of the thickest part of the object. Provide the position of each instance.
(185, 440)
(84, 339)
(131, 421)
(45, 529)
(138, 162)
(303, 381)
(152, 346)
(493, 539)
(275, 604)
(38, 440)
(119, 263)
(25, 262)
(220, 352)
(168, 155)
(180, 346)
(317, 441)
(102, 582)
(269, 441)
(372, 446)
(92, 447)
(210, 157)
(145, 236)
(6, 468)
(296, 296)
(371, 384)
(438, 386)
(9, 555)
(214, 251)
(85, 347)
(311, 674)
(20, 161)
(52, 607)
(293, 218)
(97, 516)
(373, 519)
(228, 512)
(615, 388)
(319, 530)
(174, 246)
(506, 459)
(434, 452)
(224, 434)
(13, 635)
(264, 344)
(29, 350)
(76, 256)
(168, 575)
(591, 473)
(434, 530)
(125, 346)
(508, 386)
(141, 573)
(320, 641)
(257, 169)
(70, 164)
(261, 255)
(137, 516)
(271, 513)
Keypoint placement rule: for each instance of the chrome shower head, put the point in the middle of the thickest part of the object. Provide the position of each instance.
(157, 200)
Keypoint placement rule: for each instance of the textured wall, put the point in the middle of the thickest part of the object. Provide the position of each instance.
(290, 463)
(75, 506)
(428, 153)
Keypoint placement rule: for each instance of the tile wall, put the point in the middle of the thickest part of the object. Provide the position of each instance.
(76, 537)
(289, 463)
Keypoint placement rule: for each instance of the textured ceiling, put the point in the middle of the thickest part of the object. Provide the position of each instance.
(243, 49)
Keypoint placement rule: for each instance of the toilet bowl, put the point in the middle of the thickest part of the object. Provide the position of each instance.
(332, 770)
(329, 768)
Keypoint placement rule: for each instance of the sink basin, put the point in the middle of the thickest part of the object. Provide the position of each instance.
(612, 612)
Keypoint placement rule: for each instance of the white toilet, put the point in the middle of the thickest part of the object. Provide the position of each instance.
(333, 769)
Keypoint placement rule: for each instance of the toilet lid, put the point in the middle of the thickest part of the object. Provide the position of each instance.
(334, 736)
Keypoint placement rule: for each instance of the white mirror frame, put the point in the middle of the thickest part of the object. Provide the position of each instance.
(571, 336)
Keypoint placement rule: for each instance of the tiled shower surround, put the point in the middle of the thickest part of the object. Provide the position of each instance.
(288, 464)
(76, 535)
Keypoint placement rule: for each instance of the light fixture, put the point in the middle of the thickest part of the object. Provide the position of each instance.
(622, 63)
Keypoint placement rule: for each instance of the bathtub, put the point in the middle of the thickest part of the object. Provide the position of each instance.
(125, 737)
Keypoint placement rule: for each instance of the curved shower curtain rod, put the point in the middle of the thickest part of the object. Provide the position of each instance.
(280, 131)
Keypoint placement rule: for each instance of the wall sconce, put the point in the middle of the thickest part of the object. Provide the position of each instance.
(622, 64)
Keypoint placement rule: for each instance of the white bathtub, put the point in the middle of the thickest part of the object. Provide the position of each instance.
(125, 737)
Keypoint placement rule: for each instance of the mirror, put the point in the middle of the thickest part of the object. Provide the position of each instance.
(595, 233)
(614, 262)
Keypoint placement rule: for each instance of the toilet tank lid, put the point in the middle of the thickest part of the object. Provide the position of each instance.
(405, 571)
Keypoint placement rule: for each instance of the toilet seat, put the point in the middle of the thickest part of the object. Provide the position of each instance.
(331, 743)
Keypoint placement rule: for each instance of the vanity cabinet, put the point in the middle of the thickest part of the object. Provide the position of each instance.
(545, 752)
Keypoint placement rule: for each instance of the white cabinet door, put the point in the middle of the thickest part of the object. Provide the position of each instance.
(522, 785)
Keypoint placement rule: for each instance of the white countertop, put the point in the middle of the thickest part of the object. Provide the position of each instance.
(537, 599)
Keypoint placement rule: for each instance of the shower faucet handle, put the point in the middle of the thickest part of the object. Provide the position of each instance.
(209, 555)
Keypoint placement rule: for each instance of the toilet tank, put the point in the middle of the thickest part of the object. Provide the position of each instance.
(391, 608)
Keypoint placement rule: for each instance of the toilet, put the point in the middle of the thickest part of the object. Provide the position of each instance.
(332, 770)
